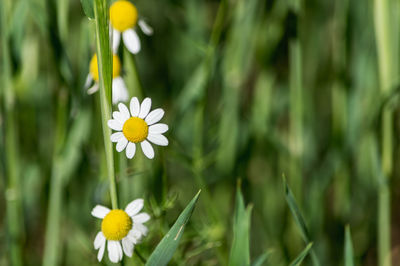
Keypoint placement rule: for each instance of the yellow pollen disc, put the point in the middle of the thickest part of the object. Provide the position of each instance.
(123, 15)
(135, 129)
(116, 225)
(94, 71)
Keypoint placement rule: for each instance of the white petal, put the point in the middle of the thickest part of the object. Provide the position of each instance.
(141, 218)
(158, 128)
(134, 207)
(93, 89)
(124, 111)
(145, 27)
(101, 251)
(130, 150)
(134, 235)
(158, 139)
(99, 240)
(114, 251)
(115, 137)
(122, 142)
(145, 108)
(131, 41)
(100, 211)
(119, 90)
(127, 245)
(88, 81)
(154, 116)
(115, 40)
(114, 124)
(134, 106)
(119, 117)
(147, 149)
(141, 228)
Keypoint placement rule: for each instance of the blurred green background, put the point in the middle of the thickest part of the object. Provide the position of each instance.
(252, 89)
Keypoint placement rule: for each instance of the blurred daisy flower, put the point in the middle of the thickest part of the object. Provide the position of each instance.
(119, 90)
(120, 227)
(123, 18)
(138, 126)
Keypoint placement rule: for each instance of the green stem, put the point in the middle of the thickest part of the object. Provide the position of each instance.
(12, 194)
(104, 60)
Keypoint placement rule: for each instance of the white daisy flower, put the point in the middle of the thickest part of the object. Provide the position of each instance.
(119, 90)
(123, 18)
(138, 126)
(120, 227)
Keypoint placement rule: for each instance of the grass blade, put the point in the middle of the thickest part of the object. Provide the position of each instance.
(87, 6)
(298, 217)
(167, 246)
(348, 248)
(240, 250)
(302, 255)
(261, 259)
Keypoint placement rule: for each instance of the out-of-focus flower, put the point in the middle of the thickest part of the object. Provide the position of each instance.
(119, 90)
(123, 18)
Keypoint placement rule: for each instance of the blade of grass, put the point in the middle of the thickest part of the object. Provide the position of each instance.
(104, 60)
(348, 248)
(261, 259)
(167, 246)
(298, 217)
(87, 6)
(297, 261)
(240, 250)
(12, 193)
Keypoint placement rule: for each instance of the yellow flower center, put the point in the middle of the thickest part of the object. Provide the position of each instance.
(94, 70)
(116, 225)
(135, 129)
(123, 15)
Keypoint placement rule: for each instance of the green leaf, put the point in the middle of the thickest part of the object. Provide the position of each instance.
(301, 256)
(298, 218)
(166, 248)
(240, 250)
(348, 248)
(87, 6)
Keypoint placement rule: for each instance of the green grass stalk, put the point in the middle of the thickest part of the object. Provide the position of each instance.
(386, 75)
(13, 192)
(104, 60)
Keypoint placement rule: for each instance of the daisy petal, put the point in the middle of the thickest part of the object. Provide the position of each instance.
(93, 89)
(117, 116)
(127, 245)
(130, 150)
(158, 139)
(141, 228)
(145, 27)
(147, 149)
(88, 81)
(134, 207)
(114, 124)
(99, 240)
(134, 106)
(115, 40)
(134, 235)
(119, 90)
(101, 251)
(114, 250)
(124, 111)
(115, 137)
(154, 116)
(131, 41)
(141, 218)
(100, 211)
(122, 142)
(145, 108)
(158, 129)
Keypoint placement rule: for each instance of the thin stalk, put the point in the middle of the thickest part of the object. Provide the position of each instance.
(386, 74)
(13, 194)
(105, 74)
